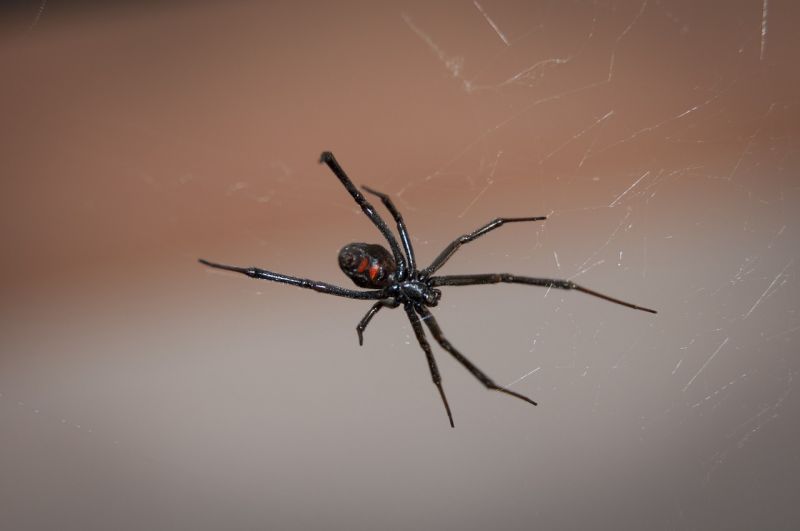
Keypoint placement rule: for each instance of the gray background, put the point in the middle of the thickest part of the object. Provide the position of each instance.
(139, 390)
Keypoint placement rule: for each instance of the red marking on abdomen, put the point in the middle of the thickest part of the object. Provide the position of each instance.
(373, 271)
(363, 265)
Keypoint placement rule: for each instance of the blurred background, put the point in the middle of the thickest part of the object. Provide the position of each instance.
(140, 390)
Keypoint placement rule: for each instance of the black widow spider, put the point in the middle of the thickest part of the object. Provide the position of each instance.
(394, 279)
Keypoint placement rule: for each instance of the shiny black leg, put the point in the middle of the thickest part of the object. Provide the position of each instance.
(423, 342)
(496, 278)
(391, 303)
(427, 317)
(328, 158)
(401, 226)
(322, 287)
(454, 246)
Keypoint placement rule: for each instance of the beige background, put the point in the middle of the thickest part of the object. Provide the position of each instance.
(139, 390)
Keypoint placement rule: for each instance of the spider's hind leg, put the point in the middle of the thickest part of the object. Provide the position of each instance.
(476, 372)
(401, 225)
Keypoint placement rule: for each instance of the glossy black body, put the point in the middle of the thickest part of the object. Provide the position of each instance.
(392, 278)
(368, 265)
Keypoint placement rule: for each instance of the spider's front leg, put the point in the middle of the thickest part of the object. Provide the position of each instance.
(427, 316)
(456, 244)
(389, 303)
(496, 278)
(423, 342)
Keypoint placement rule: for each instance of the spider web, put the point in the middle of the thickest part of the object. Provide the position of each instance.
(659, 137)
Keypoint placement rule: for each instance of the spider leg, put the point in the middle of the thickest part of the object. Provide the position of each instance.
(456, 244)
(328, 158)
(322, 287)
(427, 316)
(423, 342)
(391, 303)
(401, 226)
(495, 278)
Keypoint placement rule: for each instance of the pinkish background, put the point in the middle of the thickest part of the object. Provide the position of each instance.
(139, 390)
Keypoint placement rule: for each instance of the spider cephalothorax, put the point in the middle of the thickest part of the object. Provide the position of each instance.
(393, 279)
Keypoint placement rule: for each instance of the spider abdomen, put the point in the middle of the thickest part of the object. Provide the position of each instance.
(368, 265)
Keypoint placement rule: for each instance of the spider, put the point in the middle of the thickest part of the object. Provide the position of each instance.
(393, 279)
